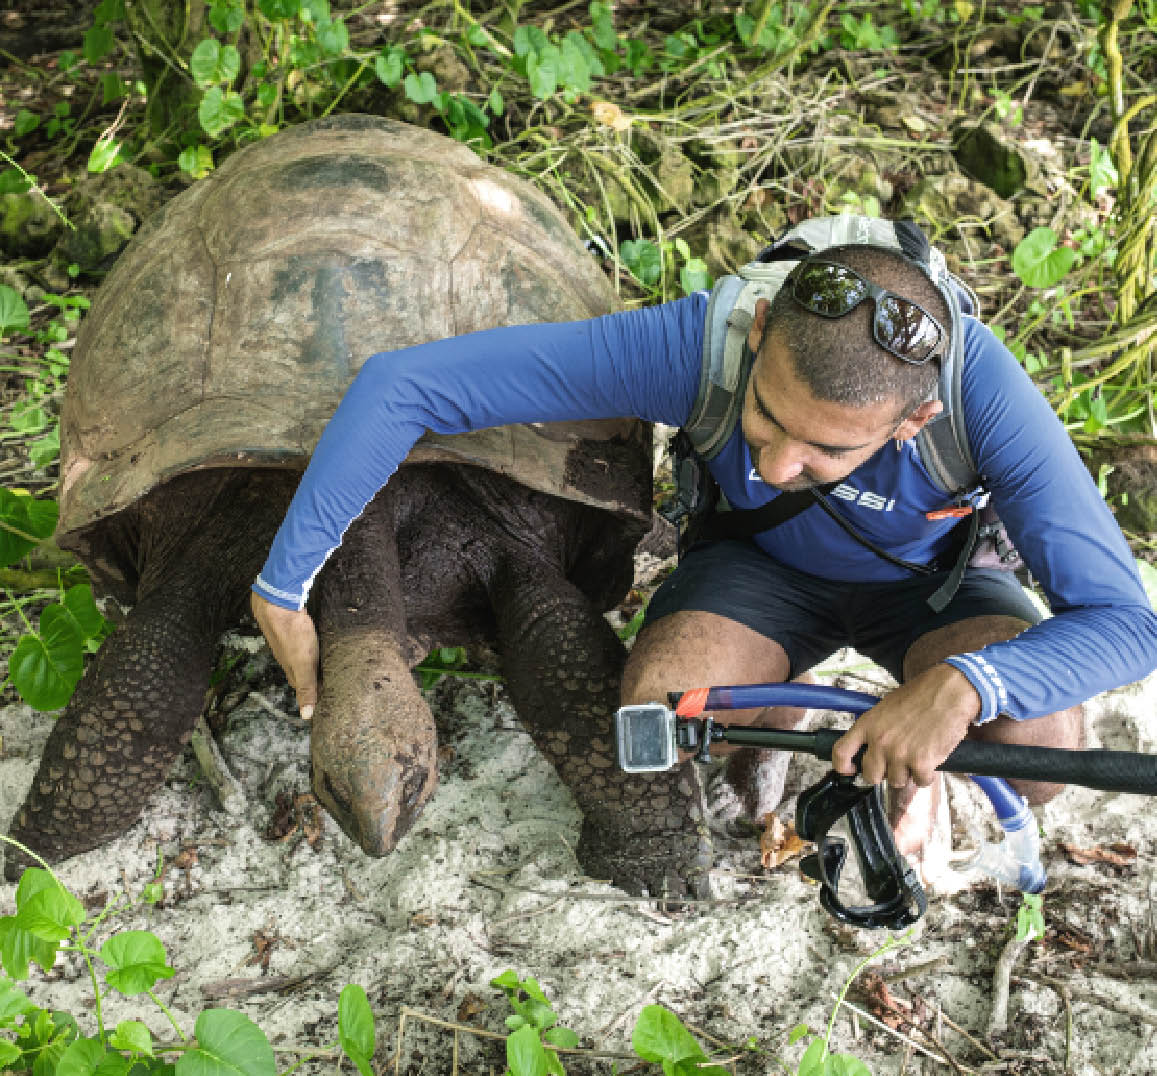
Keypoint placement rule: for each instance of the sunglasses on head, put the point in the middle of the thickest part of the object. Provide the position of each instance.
(901, 327)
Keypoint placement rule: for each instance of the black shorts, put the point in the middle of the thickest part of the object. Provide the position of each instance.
(811, 618)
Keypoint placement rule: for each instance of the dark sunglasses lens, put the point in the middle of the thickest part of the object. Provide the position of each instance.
(830, 290)
(905, 330)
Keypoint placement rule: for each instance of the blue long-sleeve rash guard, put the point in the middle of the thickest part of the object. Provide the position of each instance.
(646, 363)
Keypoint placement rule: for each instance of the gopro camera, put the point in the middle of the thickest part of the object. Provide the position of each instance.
(646, 738)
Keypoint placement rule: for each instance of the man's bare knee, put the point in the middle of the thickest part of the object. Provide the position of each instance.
(695, 649)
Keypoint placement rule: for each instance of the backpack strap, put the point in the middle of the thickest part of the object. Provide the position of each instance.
(943, 442)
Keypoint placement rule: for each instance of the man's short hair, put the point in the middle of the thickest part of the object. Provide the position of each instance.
(838, 358)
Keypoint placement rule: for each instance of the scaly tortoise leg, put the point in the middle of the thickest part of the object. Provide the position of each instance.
(563, 663)
(201, 540)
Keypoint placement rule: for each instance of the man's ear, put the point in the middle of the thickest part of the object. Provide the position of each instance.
(755, 333)
(918, 419)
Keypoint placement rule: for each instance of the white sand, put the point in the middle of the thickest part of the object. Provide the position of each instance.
(487, 881)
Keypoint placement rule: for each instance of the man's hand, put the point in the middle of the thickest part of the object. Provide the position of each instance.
(911, 730)
(293, 640)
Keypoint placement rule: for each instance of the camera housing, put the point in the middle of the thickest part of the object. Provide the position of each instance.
(646, 738)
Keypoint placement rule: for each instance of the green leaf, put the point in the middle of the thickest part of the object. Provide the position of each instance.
(198, 160)
(78, 600)
(539, 1013)
(813, 1061)
(1039, 262)
(26, 417)
(845, 1065)
(390, 65)
(603, 26)
(213, 63)
(507, 981)
(18, 948)
(13, 181)
(98, 43)
(421, 88)
(797, 1033)
(9, 1053)
(219, 110)
(355, 1021)
(495, 102)
(81, 1058)
(13, 1003)
(228, 1044)
(24, 523)
(660, 1036)
(226, 16)
(106, 154)
(695, 276)
(574, 72)
(562, 1037)
(529, 39)
(644, 259)
(48, 911)
(133, 1036)
(137, 960)
(46, 667)
(13, 311)
(333, 37)
(525, 1053)
(1102, 172)
(26, 123)
(279, 9)
(116, 1064)
(108, 11)
(542, 72)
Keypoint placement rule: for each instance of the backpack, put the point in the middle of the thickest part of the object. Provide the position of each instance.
(942, 443)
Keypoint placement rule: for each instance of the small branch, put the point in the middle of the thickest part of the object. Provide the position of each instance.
(227, 788)
(998, 1020)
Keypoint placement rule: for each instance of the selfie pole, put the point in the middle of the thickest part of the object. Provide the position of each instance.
(651, 736)
(1107, 771)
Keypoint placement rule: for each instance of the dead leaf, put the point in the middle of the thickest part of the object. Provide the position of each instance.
(610, 115)
(778, 842)
(471, 1006)
(263, 943)
(186, 859)
(1117, 854)
(1073, 939)
(881, 1002)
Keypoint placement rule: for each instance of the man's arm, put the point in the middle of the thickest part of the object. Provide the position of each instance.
(1103, 633)
(642, 363)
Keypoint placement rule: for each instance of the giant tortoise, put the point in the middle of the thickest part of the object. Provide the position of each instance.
(211, 359)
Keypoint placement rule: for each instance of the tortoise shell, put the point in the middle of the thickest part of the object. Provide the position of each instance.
(232, 324)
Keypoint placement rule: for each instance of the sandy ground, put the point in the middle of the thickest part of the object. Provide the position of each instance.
(487, 881)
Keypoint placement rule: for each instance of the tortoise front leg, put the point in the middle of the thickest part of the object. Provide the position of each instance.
(199, 541)
(117, 739)
(374, 743)
(563, 666)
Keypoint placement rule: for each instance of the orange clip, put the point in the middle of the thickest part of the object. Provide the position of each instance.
(949, 513)
(692, 703)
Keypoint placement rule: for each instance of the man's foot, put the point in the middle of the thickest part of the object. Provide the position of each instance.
(922, 825)
(748, 786)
